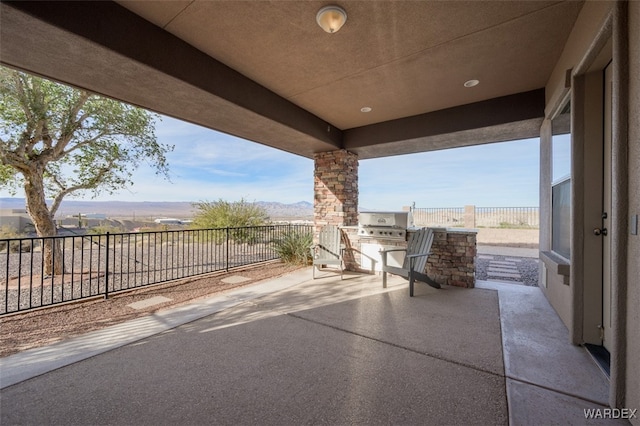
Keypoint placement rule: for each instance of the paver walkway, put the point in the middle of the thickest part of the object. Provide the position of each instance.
(508, 269)
(500, 269)
(507, 264)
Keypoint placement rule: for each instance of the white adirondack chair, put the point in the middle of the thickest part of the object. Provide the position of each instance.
(329, 249)
(415, 261)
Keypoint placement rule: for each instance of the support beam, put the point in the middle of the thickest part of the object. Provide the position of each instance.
(103, 47)
(511, 117)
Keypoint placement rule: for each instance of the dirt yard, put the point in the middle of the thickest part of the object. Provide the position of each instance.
(524, 238)
(45, 326)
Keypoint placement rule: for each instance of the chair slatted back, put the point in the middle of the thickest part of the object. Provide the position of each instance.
(329, 241)
(420, 242)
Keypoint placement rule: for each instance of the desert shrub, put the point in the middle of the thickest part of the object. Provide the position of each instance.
(103, 229)
(155, 228)
(237, 215)
(519, 225)
(7, 232)
(225, 214)
(293, 247)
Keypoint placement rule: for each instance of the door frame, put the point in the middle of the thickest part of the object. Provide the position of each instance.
(614, 28)
(587, 197)
(607, 330)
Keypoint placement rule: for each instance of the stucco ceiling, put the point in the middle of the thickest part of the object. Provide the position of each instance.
(264, 70)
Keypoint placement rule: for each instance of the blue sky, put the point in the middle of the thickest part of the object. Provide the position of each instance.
(207, 165)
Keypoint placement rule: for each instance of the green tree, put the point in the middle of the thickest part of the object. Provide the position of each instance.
(225, 214)
(58, 141)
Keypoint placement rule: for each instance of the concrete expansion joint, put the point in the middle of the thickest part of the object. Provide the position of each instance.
(395, 345)
(573, 395)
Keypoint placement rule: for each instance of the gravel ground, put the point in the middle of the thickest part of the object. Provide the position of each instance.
(24, 286)
(527, 267)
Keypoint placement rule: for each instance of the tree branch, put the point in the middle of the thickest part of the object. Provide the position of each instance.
(88, 184)
(86, 142)
(72, 124)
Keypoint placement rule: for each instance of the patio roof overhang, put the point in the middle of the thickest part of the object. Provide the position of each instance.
(264, 71)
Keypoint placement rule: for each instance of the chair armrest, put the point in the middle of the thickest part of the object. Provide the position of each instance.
(387, 251)
(411, 256)
(412, 259)
(383, 255)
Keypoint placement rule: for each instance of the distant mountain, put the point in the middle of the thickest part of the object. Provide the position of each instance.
(155, 209)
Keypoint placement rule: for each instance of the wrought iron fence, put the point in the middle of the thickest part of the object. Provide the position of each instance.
(507, 217)
(438, 216)
(478, 217)
(94, 265)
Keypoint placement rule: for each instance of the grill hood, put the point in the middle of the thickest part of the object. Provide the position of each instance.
(384, 219)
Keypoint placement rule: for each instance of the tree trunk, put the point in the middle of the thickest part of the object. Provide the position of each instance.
(44, 224)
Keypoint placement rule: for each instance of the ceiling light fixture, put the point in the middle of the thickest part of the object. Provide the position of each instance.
(471, 83)
(365, 109)
(331, 18)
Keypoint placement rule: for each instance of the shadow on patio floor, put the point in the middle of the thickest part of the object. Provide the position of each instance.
(296, 350)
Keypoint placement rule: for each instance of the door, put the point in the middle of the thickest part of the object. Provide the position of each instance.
(606, 212)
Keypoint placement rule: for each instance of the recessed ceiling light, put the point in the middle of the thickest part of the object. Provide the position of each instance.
(365, 109)
(471, 83)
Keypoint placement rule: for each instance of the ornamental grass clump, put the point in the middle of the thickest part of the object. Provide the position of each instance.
(293, 247)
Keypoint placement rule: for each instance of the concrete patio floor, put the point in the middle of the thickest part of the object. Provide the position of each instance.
(299, 351)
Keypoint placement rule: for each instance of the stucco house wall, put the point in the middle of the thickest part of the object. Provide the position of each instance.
(603, 30)
(633, 252)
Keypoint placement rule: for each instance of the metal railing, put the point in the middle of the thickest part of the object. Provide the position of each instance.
(94, 265)
(507, 217)
(438, 216)
(478, 217)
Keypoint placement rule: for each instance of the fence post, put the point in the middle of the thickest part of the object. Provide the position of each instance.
(106, 269)
(226, 268)
(469, 216)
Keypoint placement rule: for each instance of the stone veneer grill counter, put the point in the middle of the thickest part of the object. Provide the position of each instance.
(452, 259)
(382, 231)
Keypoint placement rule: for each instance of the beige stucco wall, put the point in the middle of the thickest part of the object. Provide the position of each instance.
(582, 46)
(587, 26)
(633, 253)
(578, 54)
(557, 292)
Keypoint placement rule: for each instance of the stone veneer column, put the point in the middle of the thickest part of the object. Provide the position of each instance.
(335, 189)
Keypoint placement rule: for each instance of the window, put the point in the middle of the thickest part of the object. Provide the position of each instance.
(561, 183)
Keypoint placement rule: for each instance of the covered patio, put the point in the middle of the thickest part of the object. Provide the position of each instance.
(294, 350)
(398, 78)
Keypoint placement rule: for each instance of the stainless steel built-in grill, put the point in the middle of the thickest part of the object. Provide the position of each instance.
(383, 225)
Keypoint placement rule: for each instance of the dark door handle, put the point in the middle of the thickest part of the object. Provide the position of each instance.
(599, 231)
